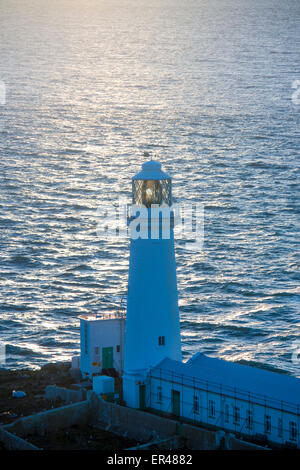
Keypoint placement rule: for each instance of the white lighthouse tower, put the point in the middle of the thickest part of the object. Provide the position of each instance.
(152, 322)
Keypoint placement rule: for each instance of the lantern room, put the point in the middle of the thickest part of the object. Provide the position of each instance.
(152, 186)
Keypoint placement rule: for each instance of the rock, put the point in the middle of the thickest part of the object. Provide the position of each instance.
(75, 373)
(18, 394)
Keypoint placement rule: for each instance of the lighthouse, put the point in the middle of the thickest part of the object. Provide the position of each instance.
(145, 348)
(152, 320)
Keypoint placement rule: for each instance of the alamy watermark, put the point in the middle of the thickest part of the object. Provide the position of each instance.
(296, 352)
(296, 93)
(2, 353)
(2, 102)
(2, 93)
(139, 222)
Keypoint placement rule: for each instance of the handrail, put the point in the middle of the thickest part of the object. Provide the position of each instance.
(199, 418)
(214, 387)
(103, 316)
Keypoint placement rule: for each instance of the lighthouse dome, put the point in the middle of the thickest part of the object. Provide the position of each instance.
(151, 170)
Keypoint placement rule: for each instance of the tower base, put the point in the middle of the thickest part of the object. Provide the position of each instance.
(135, 390)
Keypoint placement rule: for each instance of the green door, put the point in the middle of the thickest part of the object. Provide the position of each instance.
(175, 403)
(107, 358)
(142, 397)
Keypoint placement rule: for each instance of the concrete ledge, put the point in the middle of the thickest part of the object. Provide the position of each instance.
(50, 421)
(238, 444)
(135, 424)
(123, 421)
(12, 442)
(199, 438)
(52, 393)
(145, 426)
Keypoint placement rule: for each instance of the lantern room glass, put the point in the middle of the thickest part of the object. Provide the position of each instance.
(148, 192)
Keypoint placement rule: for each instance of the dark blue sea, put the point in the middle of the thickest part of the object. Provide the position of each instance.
(209, 87)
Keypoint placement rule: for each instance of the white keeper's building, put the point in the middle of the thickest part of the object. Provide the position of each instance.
(145, 347)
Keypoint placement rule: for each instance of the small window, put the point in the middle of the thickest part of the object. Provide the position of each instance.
(159, 394)
(267, 424)
(196, 404)
(118, 348)
(96, 350)
(226, 414)
(293, 431)
(280, 427)
(236, 415)
(161, 341)
(211, 409)
(249, 422)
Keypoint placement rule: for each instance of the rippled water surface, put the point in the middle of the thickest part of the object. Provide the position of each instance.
(204, 85)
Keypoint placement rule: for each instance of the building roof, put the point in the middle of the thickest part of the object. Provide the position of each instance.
(151, 171)
(102, 378)
(234, 380)
(93, 317)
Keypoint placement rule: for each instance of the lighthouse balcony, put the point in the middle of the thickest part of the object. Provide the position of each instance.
(103, 316)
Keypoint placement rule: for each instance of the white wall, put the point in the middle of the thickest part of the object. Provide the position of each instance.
(187, 411)
(101, 333)
(152, 305)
